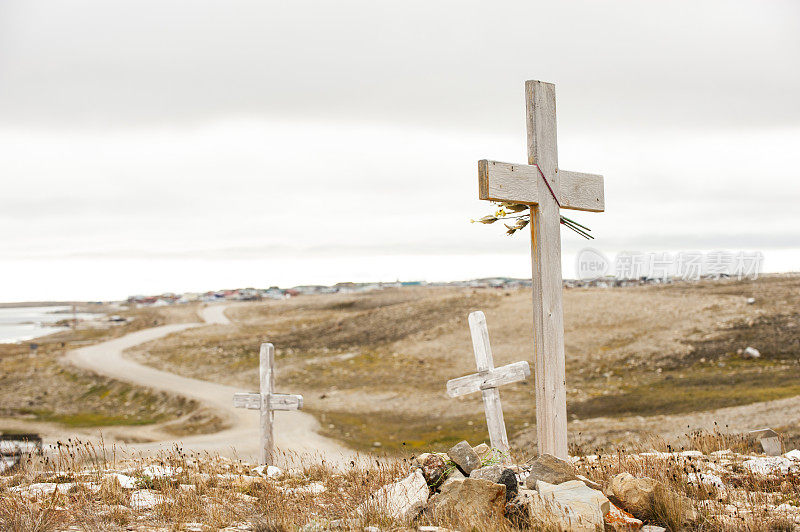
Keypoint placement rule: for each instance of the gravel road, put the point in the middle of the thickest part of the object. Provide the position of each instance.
(295, 432)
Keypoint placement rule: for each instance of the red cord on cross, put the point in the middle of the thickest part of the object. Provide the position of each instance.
(546, 182)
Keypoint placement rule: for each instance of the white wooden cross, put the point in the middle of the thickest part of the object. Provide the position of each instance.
(487, 380)
(547, 189)
(266, 401)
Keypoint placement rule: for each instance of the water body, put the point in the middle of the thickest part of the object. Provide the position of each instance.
(19, 324)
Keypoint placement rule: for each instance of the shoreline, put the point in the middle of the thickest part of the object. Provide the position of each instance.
(20, 324)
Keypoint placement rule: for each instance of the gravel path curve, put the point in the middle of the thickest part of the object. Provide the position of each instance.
(295, 432)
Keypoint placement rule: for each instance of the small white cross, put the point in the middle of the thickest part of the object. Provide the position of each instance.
(266, 401)
(487, 380)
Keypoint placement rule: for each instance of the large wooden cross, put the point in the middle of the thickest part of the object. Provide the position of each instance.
(547, 189)
(487, 380)
(267, 402)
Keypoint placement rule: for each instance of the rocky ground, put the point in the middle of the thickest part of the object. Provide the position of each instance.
(79, 487)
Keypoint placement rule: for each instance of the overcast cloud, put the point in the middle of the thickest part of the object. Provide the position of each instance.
(165, 145)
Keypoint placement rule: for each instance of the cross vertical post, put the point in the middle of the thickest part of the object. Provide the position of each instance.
(495, 423)
(266, 360)
(547, 189)
(548, 315)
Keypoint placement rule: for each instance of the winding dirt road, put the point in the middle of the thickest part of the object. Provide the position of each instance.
(295, 432)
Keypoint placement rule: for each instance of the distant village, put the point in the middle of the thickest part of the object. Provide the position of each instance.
(274, 292)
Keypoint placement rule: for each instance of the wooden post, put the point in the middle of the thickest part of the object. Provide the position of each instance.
(548, 315)
(487, 380)
(267, 402)
(267, 381)
(547, 189)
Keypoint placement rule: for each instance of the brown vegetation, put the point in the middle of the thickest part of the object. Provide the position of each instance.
(372, 366)
(82, 486)
(37, 387)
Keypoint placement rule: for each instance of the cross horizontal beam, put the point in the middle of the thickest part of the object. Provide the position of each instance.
(517, 183)
(277, 401)
(486, 380)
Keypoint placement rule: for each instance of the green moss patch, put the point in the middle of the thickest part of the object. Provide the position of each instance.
(697, 388)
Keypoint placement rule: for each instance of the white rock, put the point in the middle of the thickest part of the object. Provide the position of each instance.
(707, 478)
(690, 454)
(124, 480)
(765, 465)
(268, 471)
(711, 466)
(684, 454)
(145, 499)
(41, 489)
(157, 471)
(793, 455)
(244, 497)
(577, 506)
(402, 500)
(314, 488)
(589, 482)
(751, 352)
(657, 454)
(652, 528)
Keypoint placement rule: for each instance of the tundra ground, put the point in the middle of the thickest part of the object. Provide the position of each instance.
(373, 366)
(38, 393)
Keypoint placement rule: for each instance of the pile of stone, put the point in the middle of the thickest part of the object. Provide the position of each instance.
(470, 488)
(479, 483)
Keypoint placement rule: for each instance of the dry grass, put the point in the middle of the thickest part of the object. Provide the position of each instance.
(746, 502)
(209, 492)
(39, 388)
(199, 488)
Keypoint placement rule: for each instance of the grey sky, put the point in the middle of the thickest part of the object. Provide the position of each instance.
(253, 130)
(457, 64)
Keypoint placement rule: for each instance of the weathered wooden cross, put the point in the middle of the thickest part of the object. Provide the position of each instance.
(487, 380)
(547, 189)
(267, 401)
